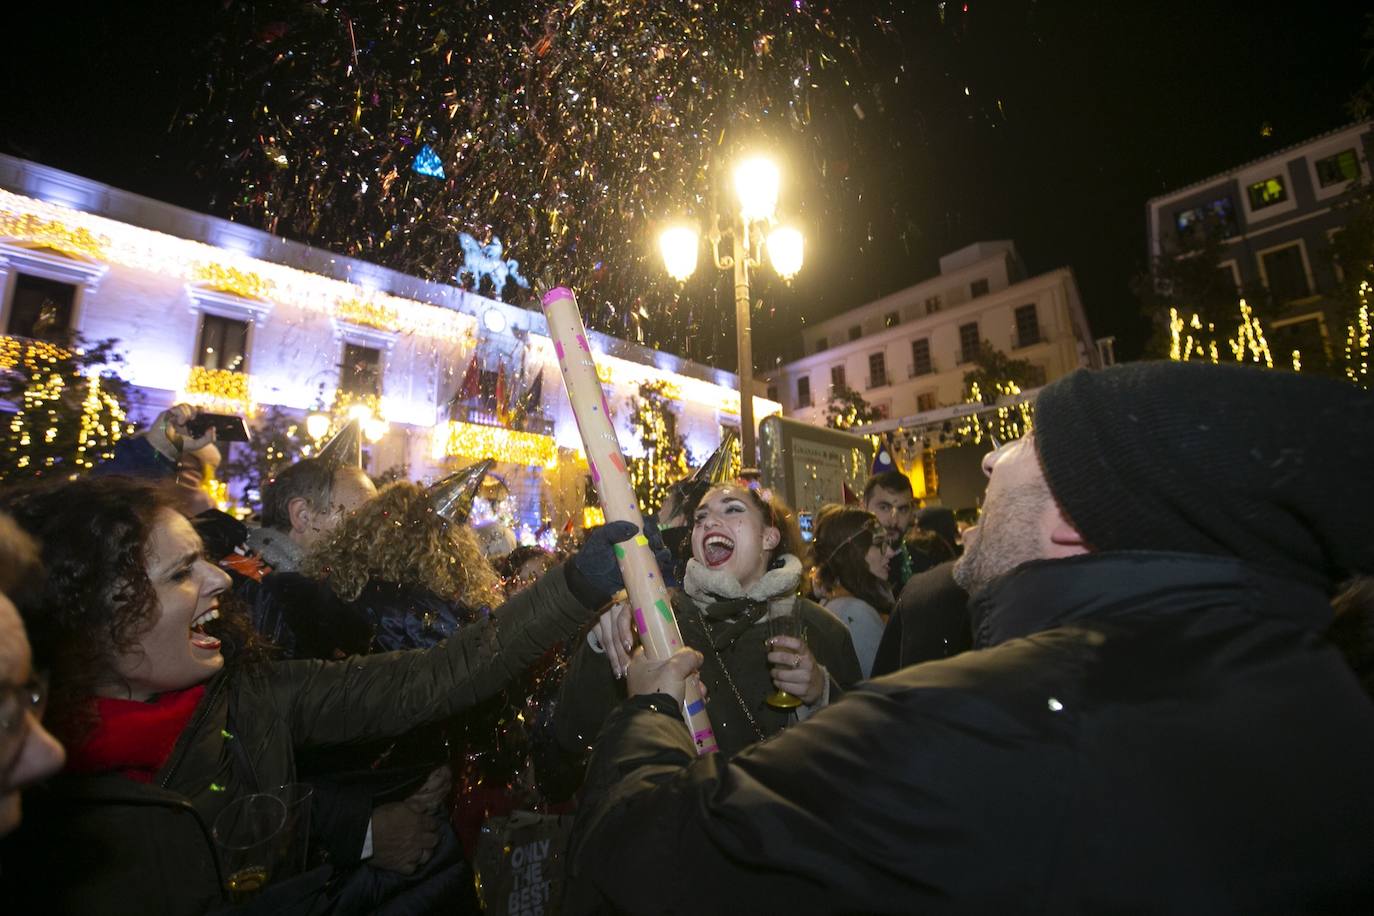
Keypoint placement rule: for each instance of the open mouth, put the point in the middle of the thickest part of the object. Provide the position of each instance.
(201, 639)
(717, 550)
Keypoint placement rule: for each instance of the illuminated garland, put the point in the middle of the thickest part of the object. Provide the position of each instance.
(52, 233)
(469, 440)
(218, 391)
(1011, 421)
(232, 280)
(1357, 342)
(41, 223)
(1249, 341)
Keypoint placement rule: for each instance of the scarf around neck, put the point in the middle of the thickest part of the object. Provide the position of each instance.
(133, 738)
(729, 608)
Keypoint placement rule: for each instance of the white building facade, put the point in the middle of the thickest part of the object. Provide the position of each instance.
(907, 353)
(231, 318)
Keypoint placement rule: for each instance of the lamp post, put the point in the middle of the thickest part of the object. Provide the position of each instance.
(756, 187)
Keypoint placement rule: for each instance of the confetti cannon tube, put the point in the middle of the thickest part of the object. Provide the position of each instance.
(653, 613)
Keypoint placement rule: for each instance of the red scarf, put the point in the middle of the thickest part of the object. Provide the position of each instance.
(134, 739)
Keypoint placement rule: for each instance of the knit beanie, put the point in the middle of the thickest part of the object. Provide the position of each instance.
(1267, 466)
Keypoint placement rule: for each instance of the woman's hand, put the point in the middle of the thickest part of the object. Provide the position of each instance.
(169, 435)
(794, 669)
(614, 633)
(668, 676)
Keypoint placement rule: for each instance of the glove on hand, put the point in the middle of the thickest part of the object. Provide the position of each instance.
(594, 571)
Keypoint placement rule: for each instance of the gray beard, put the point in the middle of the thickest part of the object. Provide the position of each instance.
(1008, 536)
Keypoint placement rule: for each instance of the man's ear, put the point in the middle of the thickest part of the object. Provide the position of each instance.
(1065, 537)
(298, 511)
(772, 537)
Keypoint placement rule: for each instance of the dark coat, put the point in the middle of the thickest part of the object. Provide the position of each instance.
(929, 622)
(1146, 733)
(590, 692)
(106, 844)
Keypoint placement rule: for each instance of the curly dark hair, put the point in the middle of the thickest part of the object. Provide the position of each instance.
(843, 536)
(97, 601)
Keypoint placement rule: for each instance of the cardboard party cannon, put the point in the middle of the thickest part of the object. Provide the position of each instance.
(653, 613)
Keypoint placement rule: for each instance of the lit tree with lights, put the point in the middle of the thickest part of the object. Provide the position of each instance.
(847, 409)
(665, 455)
(69, 407)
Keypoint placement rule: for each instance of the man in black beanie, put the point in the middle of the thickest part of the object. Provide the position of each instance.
(1151, 721)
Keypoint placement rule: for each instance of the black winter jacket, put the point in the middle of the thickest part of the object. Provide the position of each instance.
(108, 845)
(1145, 733)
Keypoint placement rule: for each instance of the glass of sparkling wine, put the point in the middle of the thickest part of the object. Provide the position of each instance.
(786, 625)
(248, 836)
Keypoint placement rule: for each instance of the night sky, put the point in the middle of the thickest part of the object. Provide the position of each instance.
(1050, 123)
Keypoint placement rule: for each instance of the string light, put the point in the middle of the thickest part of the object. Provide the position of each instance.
(1249, 342)
(469, 440)
(218, 391)
(1357, 342)
(665, 459)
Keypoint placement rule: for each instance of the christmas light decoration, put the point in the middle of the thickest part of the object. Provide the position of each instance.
(41, 223)
(1357, 342)
(470, 440)
(218, 391)
(68, 415)
(665, 458)
(1249, 342)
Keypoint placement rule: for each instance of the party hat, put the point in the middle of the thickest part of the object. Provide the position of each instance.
(718, 468)
(882, 458)
(345, 448)
(452, 497)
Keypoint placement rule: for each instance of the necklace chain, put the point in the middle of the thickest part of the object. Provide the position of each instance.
(725, 670)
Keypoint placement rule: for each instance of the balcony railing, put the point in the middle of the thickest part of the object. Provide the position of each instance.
(912, 370)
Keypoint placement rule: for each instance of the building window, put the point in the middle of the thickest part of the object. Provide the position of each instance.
(877, 370)
(978, 288)
(41, 308)
(1268, 192)
(1286, 274)
(920, 357)
(855, 332)
(772, 392)
(361, 373)
(1342, 167)
(933, 305)
(804, 391)
(1027, 326)
(1215, 219)
(223, 344)
(968, 342)
(821, 344)
(837, 378)
(925, 401)
(891, 320)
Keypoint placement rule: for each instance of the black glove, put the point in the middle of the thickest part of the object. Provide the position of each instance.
(594, 572)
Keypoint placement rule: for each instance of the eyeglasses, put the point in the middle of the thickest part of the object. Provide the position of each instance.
(17, 700)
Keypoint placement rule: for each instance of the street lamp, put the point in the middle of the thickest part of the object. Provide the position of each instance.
(756, 187)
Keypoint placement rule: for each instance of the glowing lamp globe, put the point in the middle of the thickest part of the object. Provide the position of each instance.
(756, 183)
(375, 428)
(785, 251)
(317, 425)
(678, 245)
(360, 412)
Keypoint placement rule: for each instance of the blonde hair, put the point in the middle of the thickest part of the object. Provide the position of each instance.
(397, 537)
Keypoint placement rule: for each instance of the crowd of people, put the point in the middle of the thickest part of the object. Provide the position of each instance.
(1141, 682)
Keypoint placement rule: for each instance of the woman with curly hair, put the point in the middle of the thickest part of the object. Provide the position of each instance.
(745, 570)
(165, 726)
(851, 553)
(414, 574)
